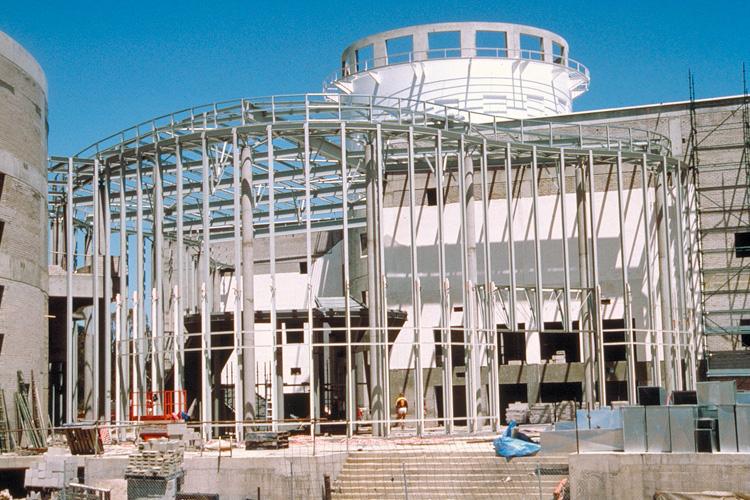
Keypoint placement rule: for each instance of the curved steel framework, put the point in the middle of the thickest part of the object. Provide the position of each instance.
(167, 195)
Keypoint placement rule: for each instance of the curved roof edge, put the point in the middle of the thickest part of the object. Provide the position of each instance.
(18, 55)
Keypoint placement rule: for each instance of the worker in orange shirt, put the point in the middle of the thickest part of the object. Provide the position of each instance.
(402, 408)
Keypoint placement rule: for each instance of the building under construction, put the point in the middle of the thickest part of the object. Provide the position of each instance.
(436, 223)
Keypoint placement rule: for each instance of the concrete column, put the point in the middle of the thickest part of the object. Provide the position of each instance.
(248, 292)
(377, 406)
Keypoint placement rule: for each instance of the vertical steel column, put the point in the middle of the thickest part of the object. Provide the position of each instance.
(445, 298)
(136, 400)
(106, 208)
(247, 277)
(674, 371)
(627, 312)
(490, 332)
(157, 279)
(687, 324)
(239, 372)
(96, 222)
(206, 296)
(277, 379)
(533, 339)
(469, 275)
(350, 371)
(567, 322)
(385, 359)
(180, 295)
(119, 371)
(596, 310)
(415, 291)
(373, 297)
(123, 391)
(513, 326)
(313, 403)
(655, 336)
(71, 408)
(140, 318)
(586, 322)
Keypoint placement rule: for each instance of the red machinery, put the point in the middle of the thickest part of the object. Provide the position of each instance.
(157, 407)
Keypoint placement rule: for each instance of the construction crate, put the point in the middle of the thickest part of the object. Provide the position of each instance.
(84, 440)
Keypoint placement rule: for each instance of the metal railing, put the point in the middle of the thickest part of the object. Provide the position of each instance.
(322, 107)
(458, 52)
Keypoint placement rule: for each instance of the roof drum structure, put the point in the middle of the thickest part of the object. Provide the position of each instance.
(307, 258)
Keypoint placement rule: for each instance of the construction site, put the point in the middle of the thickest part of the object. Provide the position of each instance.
(353, 293)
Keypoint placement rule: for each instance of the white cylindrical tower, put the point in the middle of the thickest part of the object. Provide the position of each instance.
(504, 70)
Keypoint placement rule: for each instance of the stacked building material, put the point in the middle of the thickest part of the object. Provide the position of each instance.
(51, 473)
(541, 413)
(558, 357)
(518, 412)
(156, 458)
(565, 410)
(266, 440)
(29, 415)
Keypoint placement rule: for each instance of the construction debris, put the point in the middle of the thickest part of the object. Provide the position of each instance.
(84, 440)
(7, 443)
(29, 417)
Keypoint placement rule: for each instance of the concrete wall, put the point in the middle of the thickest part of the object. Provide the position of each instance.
(23, 219)
(636, 476)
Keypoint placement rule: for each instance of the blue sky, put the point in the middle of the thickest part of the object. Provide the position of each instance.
(112, 64)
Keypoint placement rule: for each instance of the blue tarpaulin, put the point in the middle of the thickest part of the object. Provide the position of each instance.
(507, 446)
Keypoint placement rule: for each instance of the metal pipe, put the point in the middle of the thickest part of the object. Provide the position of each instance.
(313, 403)
(157, 279)
(627, 312)
(207, 402)
(70, 337)
(237, 339)
(124, 390)
(350, 372)
(513, 326)
(277, 379)
(96, 222)
(415, 290)
(140, 318)
(598, 333)
(248, 285)
(533, 339)
(106, 193)
(655, 335)
(445, 332)
(180, 296)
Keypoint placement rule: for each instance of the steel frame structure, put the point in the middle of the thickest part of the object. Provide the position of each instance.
(270, 167)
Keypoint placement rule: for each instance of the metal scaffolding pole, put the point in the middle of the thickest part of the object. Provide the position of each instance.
(180, 295)
(490, 332)
(140, 317)
(70, 337)
(350, 371)
(676, 323)
(627, 312)
(513, 326)
(415, 291)
(596, 310)
(206, 297)
(119, 370)
(586, 321)
(106, 209)
(445, 298)
(313, 401)
(96, 222)
(123, 391)
(567, 321)
(681, 254)
(656, 337)
(157, 279)
(239, 355)
(277, 378)
(383, 297)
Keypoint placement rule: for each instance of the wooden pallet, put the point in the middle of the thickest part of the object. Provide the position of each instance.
(266, 440)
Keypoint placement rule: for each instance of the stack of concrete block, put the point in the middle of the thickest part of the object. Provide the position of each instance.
(156, 458)
(565, 410)
(518, 412)
(558, 357)
(181, 432)
(52, 472)
(541, 413)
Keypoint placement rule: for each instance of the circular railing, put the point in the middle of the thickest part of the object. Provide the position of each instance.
(321, 107)
(458, 53)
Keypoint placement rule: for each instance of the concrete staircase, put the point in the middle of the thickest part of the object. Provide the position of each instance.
(446, 474)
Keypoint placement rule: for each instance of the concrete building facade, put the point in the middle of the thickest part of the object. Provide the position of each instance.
(23, 220)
